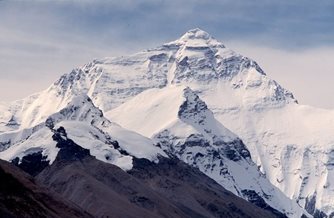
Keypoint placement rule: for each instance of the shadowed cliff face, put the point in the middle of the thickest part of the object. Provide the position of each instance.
(20, 196)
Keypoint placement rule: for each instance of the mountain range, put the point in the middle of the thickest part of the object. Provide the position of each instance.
(187, 129)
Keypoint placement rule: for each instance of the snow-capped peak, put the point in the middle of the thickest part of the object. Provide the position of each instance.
(81, 108)
(154, 110)
(195, 112)
(197, 38)
(196, 33)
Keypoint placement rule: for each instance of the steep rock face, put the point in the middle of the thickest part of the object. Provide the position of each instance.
(20, 196)
(177, 119)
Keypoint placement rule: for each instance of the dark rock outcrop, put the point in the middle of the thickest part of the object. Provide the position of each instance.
(32, 163)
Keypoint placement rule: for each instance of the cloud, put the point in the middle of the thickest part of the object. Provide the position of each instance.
(299, 23)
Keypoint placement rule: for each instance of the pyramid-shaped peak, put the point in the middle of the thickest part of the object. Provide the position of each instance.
(80, 108)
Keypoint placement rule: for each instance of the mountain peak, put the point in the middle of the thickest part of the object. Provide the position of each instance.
(197, 38)
(196, 34)
(79, 109)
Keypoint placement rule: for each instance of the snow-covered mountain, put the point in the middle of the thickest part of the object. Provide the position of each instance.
(292, 144)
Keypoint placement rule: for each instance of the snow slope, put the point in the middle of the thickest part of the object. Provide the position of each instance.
(293, 145)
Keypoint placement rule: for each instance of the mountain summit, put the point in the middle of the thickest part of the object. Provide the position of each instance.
(196, 38)
(196, 33)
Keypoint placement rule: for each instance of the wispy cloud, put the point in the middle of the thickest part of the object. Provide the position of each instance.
(299, 23)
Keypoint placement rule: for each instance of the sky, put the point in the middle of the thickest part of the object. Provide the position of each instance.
(293, 41)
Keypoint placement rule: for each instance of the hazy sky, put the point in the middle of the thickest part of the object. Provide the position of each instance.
(293, 41)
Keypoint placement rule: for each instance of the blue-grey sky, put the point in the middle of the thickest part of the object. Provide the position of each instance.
(292, 40)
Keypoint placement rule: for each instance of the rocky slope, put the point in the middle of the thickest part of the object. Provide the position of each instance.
(21, 196)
